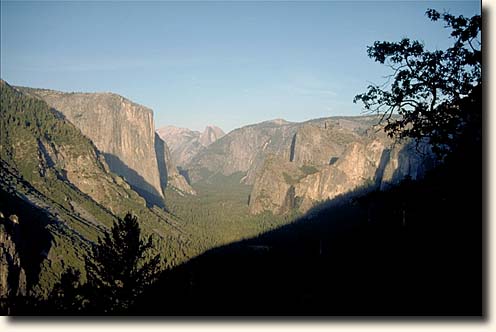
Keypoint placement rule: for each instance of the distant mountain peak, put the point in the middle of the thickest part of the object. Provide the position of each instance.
(210, 135)
(278, 121)
(185, 143)
(173, 130)
(213, 127)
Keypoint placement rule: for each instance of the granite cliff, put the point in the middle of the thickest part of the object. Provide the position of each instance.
(369, 162)
(296, 165)
(246, 149)
(210, 135)
(169, 175)
(241, 150)
(121, 129)
(12, 274)
(185, 144)
(51, 172)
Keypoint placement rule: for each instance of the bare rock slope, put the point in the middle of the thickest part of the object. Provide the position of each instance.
(368, 162)
(246, 149)
(170, 176)
(48, 165)
(12, 275)
(185, 144)
(121, 129)
(297, 165)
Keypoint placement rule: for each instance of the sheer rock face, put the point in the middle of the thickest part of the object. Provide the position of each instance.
(318, 145)
(121, 129)
(210, 135)
(407, 160)
(242, 150)
(185, 144)
(169, 175)
(245, 149)
(50, 170)
(279, 179)
(358, 166)
(12, 275)
(274, 188)
(86, 169)
(322, 166)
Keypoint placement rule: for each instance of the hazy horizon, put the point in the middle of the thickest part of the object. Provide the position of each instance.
(226, 64)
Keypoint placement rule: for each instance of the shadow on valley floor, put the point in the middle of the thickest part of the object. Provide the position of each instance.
(413, 250)
(136, 181)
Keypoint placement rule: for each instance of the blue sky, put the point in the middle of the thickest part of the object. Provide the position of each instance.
(223, 63)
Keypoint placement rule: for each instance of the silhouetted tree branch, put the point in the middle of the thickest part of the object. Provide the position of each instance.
(428, 86)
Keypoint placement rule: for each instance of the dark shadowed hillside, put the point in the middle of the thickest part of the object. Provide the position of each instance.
(412, 250)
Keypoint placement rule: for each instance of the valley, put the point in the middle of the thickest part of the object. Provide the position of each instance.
(234, 159)
(256, 198)
(218, 214)
(88, 158)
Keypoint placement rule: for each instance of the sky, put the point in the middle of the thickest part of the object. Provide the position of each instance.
(223, 63)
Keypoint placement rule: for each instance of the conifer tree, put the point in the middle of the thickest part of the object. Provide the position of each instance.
(120, 267)
(66, 296)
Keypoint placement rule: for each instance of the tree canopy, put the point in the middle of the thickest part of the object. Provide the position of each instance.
(427, 88)
(121, 266)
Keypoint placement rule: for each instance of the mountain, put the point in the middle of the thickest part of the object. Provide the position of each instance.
(282, 185)
(241, 150)
(337, 161)
(170, 176)
(185, 144)
(210, 135)
(296, 165)
(63, 193)
(245, 149)
(121, 129)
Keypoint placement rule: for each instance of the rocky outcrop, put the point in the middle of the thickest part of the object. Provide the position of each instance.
(210, 135)
(121, 129)
(86, 169)
(169, 175)
(245, 149)
(319, 144)
(284, 184)
(407, 160)
(185, 144)
(275, 187)
(327, 162)
(53, 172)
(358, 166)
(12, 275)
(299, 164)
